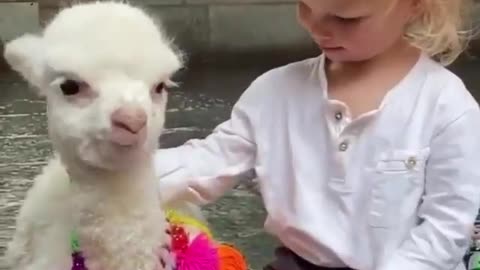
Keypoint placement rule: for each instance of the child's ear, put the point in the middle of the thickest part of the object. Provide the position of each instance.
(25, 55)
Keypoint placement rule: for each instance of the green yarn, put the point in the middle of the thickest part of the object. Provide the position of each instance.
(74, 243)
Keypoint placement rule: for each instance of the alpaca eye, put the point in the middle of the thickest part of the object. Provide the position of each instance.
(159, 88)
(70, 87)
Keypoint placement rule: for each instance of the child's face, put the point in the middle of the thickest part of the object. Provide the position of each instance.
(355, 30)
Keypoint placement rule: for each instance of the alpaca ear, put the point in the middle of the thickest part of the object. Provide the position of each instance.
(25, 55)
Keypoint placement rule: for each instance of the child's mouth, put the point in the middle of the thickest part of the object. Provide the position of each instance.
(332, 48)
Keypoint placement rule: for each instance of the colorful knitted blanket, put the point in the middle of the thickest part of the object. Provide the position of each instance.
(193, 248)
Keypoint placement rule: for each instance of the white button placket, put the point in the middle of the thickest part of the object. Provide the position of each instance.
(341, 152)
(343, 146)
(338, 120)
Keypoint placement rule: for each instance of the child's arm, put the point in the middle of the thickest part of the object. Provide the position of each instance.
(450, 203)
(202, 170)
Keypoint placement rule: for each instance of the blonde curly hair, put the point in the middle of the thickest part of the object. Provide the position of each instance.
(442, 28)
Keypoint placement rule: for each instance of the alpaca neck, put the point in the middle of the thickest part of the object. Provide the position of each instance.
(107, 185)
(118, 217)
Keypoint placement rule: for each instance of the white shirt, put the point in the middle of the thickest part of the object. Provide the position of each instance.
(396, 189)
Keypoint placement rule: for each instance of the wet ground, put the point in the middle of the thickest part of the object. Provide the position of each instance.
(203, 101)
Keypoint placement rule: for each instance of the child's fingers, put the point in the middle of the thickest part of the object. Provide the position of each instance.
(167, 259)
(168, 240)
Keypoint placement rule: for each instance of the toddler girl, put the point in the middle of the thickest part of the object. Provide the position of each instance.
(368, 156)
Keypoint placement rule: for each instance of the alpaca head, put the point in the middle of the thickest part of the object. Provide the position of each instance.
(103, 68)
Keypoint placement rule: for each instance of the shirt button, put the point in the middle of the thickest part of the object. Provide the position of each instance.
(343, 146)
(411, 163)
(338, 116)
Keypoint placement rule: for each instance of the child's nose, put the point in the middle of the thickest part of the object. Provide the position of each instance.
(321, 31)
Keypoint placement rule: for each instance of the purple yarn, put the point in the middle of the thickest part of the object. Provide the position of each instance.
(78, 261)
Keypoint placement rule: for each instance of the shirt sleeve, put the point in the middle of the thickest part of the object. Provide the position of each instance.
(202, 170)
(450, 203)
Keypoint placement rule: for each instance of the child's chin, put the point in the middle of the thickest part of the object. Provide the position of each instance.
(343, 55)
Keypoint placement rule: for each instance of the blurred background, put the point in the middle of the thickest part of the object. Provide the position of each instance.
(228, 44)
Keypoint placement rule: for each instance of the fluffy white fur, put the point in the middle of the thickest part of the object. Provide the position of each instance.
(119, 59)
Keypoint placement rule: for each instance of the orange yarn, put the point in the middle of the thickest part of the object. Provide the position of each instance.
(230, 258)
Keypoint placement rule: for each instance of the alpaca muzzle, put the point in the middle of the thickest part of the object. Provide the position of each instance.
(128, 126)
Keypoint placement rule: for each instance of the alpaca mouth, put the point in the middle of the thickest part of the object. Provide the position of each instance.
(126, 128)
(125, 137)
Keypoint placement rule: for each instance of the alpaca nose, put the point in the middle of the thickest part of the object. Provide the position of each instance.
(131, 119)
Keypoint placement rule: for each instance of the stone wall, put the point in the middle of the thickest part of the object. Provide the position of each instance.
(475, 44)
(223, 27)
(216, 28)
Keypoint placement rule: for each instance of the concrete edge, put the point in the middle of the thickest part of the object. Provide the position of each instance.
(246, 58)
(3, 64)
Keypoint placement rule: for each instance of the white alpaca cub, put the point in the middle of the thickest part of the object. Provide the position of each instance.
(103, 68)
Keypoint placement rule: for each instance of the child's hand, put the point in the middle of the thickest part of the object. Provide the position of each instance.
(167, 258)
(172, 190)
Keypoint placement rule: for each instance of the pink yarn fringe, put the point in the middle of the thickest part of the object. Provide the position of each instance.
(200, 255)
